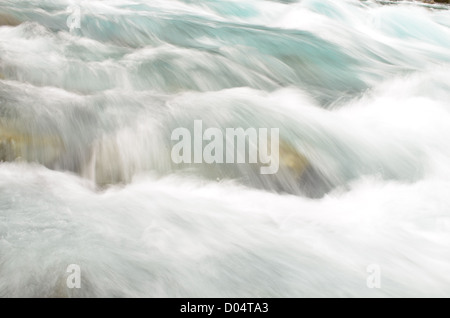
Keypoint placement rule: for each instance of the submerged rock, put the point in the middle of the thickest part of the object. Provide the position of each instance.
(106, 161)
(8, 20)
(15, 144)
(292, 159)
(7, 149)
(436, 1)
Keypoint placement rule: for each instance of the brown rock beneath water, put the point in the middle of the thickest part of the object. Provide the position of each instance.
(436, 1)
(15, 144)
(8, 20)
(291, 158)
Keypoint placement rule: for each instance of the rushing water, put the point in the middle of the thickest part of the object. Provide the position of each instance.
(359, 90)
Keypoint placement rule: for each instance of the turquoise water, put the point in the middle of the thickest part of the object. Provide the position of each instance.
(358, 89)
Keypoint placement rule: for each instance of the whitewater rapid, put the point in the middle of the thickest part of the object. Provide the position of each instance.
(360, 89)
